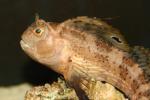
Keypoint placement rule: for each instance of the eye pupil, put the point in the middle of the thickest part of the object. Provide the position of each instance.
(38, 31)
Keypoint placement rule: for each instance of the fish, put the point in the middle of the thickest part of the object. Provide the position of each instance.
(84, 48)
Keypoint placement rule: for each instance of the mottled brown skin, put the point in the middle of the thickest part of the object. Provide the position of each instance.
(86, 48)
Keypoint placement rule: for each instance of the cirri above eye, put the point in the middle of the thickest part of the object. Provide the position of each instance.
(38, 32)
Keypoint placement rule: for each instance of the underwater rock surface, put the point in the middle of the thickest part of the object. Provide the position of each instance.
(59, 91)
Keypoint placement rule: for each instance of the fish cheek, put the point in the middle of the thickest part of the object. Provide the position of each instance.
(43, 48)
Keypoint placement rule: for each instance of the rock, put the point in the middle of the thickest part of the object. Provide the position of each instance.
(56, 91)
(59, 91)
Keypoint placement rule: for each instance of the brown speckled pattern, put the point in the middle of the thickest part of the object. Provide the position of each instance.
(88, 48)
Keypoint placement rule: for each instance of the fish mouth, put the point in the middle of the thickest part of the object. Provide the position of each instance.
(24, 45)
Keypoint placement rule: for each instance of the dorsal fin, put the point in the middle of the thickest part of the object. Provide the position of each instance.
(98, 28)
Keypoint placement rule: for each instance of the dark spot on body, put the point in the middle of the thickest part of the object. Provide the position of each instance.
(70, 60)
(142, 79)
(117, 39)
(147, 93)
(77, 21)
(135, 85)
(123, 72)
(128, 61)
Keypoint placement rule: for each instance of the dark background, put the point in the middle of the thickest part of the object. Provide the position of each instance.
(17, 15)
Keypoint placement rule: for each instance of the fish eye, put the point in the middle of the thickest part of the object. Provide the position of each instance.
(38, 32)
